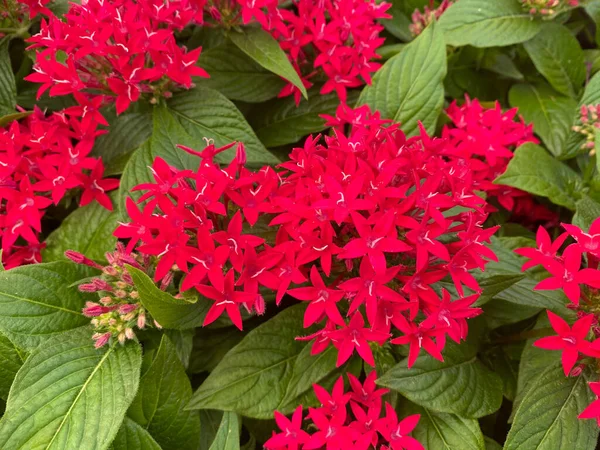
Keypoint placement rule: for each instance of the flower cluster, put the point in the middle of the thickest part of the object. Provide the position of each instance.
(119, 310)
(581, 285)
(548, 8)
(42, 158)
(117, 50)
(369, 217)
(14, 15)
(486, 138)
(590, 123)
(420, 20)
(347, 420)
(337, 38)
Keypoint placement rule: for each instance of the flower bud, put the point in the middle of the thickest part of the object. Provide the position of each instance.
(141, 321)
(129, 334)
(101, 339)
(126, 309)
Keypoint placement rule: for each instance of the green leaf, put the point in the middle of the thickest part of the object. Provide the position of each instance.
(237, 76)
(308, 369)
(441, 431)
(501, 363)
(482, 23)
(254, 377)
(132, 436)
(259, 45)
(547, 416)
(38, 301)
(7, 119)
(520, 293)
(409, 87)
(550, 112)
(168, 311)
(88, 230)
(533, 362)
(491, 444)
(210, 421)
(8, 88)
(461, 384)
(127, 133)
(205, 113)
(281, 122)
(498, 313)
(587, 210)
(558, 56)
(210, 346)
(167, 133)
(493, 284)
(11, 360)
(183, 340)
(68, 391)
(137, 171)
(398, 24)
(228, 434)
(533, 170)
(158, 406)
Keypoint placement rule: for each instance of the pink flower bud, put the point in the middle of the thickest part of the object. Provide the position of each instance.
(141, 321)
(240, 154)
(126, 309)
(88, 287)
(79, 258)
(108, 270)
(577, 370)
(157, 325)
(102, 285)
(93, 309)
(259, 305)
(164, 283)
(129, 334)
(101, 339)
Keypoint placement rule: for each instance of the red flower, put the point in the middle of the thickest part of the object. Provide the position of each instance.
(292, 435)
(356, 337)
(322, 300)
(397, 432)
(592, 411)
(95, 188)
(374, 242)
(571, 341)
(568, 275)
(226, 299)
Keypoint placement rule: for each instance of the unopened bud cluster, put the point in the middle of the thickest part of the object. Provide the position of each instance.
(118, 312)
(420, 20)
(589, 125)
(548, 8)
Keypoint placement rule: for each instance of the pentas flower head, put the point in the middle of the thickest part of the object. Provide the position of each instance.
(117, 50)
(590, 122)
(353, 226)
(343, 423)
(119, 312)
(335, 40)
(420, 20)
(43, 159)
(483, 141)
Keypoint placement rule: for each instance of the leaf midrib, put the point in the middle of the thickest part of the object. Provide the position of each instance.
(81, 391)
